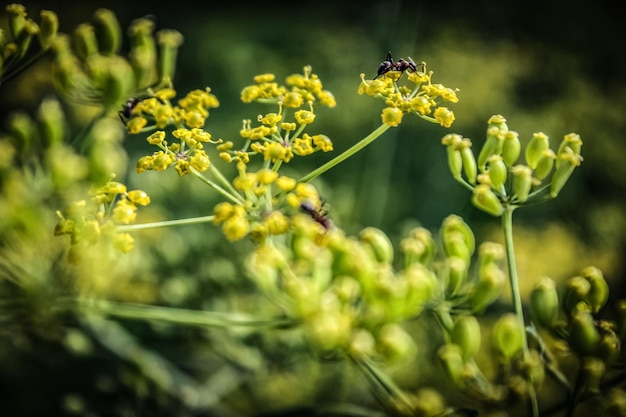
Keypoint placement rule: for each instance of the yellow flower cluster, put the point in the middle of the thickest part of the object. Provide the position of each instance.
(270, 204)
(422, 98)
(185, 154)
(188, 117)
(280, 135)
(110, 206)
(191, 111)
(306, 87)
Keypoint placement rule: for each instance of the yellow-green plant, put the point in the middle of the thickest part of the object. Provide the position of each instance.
(348, 298)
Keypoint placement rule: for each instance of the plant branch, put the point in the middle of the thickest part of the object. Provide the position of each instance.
(346, 154)
(507, 228)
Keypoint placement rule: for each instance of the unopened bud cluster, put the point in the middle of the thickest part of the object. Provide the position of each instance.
(572, 316)
(24, 31)
(353, 300)
(90, 69)
(496, 176)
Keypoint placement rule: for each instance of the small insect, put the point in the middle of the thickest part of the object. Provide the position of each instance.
(129, 106)
(319, 215)
(401, 65)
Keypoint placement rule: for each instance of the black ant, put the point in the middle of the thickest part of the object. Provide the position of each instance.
(401, 65)
(319, 215)
(131, 103)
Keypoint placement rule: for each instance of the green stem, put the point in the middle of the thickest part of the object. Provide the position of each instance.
(389, 391)
(167, 223)
(346, 154)
(222, 179)
(507, 228)
(235, 198)
(179, 315)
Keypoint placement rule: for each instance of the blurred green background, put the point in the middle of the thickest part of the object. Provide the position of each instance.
(551, 66)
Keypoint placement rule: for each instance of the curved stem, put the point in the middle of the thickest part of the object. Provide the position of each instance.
(167, 223)
(507, 228)
(179, 315)
(346, 154)
(388, 392)
(218, 174)
(235, 198)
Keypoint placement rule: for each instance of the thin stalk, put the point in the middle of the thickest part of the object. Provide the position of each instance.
(166, 223)
(235, 198)
(388, 388)
(178, 315)
(346, 154)
(507, 228)
(222, 179)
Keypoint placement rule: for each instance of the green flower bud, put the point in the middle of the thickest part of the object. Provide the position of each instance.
(593, 370)
(457, 237)
(610, 345)
(429, 402)
(576, 291)
(49, 27)
(490, 253)
(169, 41)
(26, 36)
(599, 289)
(455, 245)
(621, 320)
(329, 330)
(511, 148)
(545, 164)
(379, 243)
(451, 357)
(395, 343)
(362, 343)
(143, 54)
(120, 83)
(498, 121)
(24, 131)
(522, 182)
(497, 171)
(544, 302)
(17, 19)
(538, 143)
(348, 289)
(565, 164)
(466, 334)
(572, 141)
(584, 335)
(469, 162)
(263, 266)
(491, 281)
(85, 42)
(614, 403)
(108, 31)
(421, 286)
(418, 246)
(455, 159)
(97, 69)
(455, 162)
(508, 336)
(492, 146)
(52, 121)
(486, 200)
(455, 274)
